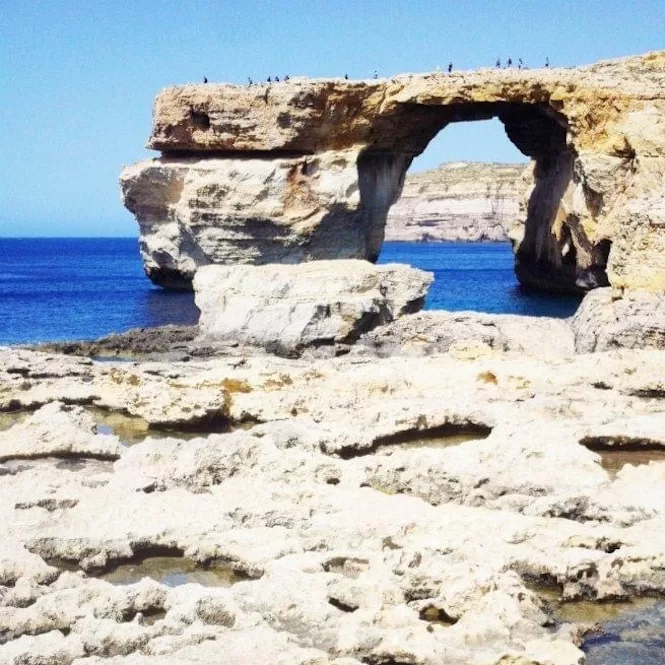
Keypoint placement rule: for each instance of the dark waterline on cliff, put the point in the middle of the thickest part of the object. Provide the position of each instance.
(83, 288)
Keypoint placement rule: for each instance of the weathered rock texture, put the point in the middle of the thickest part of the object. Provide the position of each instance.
(357, 540)
(309, 168)
(464, 201)
(287, 308)
(609, 319)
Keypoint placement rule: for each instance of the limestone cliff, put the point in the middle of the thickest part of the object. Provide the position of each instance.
(308, 169)
(458, 201)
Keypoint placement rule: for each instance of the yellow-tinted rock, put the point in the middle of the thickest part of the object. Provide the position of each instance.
(275, 173)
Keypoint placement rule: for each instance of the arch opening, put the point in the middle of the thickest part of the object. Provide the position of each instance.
(552, 250)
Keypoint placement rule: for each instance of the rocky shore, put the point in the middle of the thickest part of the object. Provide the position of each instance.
(319, 472)
(459, 201)
(436, 487)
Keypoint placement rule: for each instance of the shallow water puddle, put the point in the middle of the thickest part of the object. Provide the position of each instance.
(10, 418)
(629, 632)
(441, 441)
(173, 571)
(614, 460)
(435, 438)
(129, 429)
(134, 429)
(635, 636)
(616, 452)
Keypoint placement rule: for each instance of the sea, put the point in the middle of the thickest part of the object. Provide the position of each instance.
(83, 288)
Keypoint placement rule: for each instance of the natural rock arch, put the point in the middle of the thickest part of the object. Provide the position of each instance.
(549, 238)
(308, 169)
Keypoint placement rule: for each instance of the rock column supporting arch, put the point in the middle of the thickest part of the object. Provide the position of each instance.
(308, 169)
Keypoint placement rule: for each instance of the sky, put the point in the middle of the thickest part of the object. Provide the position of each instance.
(77, 78)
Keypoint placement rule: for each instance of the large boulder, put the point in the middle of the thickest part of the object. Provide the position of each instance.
(285, 308)
(610, 319)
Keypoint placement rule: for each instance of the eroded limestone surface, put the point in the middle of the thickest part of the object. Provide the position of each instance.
(346, 547)
(307, 169)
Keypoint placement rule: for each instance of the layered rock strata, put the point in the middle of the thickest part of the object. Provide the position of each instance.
(308, 169)
(464, 201)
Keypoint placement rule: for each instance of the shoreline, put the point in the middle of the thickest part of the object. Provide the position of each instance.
(339, 504)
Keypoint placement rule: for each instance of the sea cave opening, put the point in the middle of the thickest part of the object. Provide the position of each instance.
(464, 205)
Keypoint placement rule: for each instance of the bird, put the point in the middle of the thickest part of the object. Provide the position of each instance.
(450, 67)
(510, 62)
(286, 77)
(498, 63)
(277, 79)
(520, 64)
(205, 79)
(269, 80)
(346, 77)
(376, 74)
(547, 62)
(249, 80)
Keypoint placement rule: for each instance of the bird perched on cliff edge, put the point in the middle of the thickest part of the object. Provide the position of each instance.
(498, 63)
(376, 74)
(205, 79)
(450, 67)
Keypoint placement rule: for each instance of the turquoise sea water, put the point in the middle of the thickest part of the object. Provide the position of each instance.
(82, 288)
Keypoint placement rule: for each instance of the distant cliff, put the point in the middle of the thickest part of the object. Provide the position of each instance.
(470, 201)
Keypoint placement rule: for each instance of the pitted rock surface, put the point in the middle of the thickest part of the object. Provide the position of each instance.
(353, 547)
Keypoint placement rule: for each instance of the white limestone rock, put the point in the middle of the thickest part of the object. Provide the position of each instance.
(430, 332)
(285, 308)
(344, 564)
(194, 212)
(57, 430)
(612, 319)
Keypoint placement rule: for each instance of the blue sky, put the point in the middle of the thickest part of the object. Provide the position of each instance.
(77, 78)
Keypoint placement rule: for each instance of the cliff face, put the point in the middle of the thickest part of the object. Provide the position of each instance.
(308, 169)
(458, 201)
